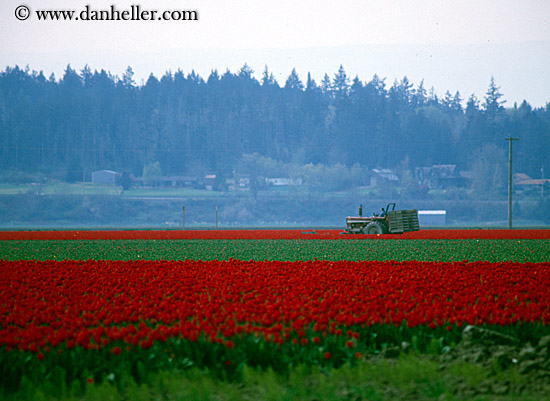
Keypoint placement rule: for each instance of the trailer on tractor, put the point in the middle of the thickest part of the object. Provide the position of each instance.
(389, 221)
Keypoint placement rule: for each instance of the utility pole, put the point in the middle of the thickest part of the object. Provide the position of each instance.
(542, 181)
(510, 139)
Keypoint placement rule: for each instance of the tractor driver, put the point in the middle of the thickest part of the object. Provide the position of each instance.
(382, 213)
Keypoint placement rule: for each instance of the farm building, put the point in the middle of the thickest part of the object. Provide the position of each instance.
(432, 217)
(174, 181)
(214, 182)
(525, 182)
(442, 176)
(279, 182)
(105, 177)
(381, 177)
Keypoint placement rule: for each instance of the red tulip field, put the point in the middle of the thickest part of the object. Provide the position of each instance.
(98, 306)
(267, 234)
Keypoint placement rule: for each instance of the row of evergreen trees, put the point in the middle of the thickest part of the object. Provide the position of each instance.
(93, 120)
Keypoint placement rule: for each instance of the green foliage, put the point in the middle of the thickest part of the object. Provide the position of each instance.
(371, 249)
(410, 376)
(332, 366)
(488, 169)
(184, 120)
(14, 176)
(151, 171)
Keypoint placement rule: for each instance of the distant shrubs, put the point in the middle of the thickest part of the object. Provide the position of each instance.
(13, 176)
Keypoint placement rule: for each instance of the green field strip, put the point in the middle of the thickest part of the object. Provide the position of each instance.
(291, 250)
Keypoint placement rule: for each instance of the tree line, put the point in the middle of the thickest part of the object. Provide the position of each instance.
(88, 120)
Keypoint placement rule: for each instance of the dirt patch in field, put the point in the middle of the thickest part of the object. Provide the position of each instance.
(499, 353)
(491, 364)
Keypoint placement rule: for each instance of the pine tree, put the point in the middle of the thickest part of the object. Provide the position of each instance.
(493, 105)
(326, 85)
(340, 84)
(86, 74)
(246, 72)
(267, 78)
(419, 95)
(472, 106)
(456, 103)
(293, 81)
(310, 85)
(405, 89)
(213, 78)
(128, 78)
(447, 100)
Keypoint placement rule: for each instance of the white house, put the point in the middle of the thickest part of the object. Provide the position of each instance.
(278, 182)
(105, 177)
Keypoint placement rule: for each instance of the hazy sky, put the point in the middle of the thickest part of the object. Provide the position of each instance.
(451, 45)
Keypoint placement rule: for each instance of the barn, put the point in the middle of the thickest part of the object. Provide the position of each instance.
(105, 177)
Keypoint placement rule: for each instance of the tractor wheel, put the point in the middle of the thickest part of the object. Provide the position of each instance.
(374, 228)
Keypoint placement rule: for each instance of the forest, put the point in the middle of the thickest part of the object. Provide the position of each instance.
(90, 120)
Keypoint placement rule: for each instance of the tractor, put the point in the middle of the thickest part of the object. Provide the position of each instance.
(389, 221)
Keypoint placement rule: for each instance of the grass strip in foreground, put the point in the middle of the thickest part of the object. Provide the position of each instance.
(409, 376)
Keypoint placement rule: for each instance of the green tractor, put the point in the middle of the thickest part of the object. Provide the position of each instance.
(389, 221)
